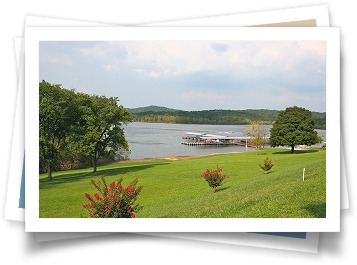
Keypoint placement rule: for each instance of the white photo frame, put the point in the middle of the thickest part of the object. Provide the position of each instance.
(36, 224)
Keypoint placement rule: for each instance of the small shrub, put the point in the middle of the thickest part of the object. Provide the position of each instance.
(267, 165)
(113, 201)
(214, 178)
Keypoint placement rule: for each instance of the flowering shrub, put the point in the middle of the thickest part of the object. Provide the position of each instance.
(267, 165)
(214, 178)
(113, 201)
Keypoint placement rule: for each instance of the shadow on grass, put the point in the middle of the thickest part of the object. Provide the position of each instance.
(268, 172)
(221, 189)
(295, 152)
(260, 154)
(318, 209)
(69, 178)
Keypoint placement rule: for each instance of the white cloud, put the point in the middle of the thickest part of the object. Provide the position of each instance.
(138, 70)
(240, 59)
(247, 59)
(155, 74)
(283, 96)
(318, 46)
(214, 69)
(111, 67)
(209, 97)
(54, 58)
(97, 51)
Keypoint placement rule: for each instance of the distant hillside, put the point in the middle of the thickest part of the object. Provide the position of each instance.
(151, 108)
(237, 117)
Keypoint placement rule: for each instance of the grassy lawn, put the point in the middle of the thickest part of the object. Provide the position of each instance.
(175, 188)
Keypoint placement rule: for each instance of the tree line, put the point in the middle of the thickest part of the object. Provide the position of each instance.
(223, 117)
(76, 127)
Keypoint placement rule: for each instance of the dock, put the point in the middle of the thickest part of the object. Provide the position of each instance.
(210, 139)
(216, 143)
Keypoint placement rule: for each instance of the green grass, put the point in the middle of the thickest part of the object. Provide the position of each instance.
(175, 188)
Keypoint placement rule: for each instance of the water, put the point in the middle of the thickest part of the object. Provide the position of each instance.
(153, 140)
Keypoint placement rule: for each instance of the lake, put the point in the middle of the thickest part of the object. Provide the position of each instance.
(153, 140)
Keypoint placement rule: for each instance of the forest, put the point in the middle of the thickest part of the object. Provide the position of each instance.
(217, 116)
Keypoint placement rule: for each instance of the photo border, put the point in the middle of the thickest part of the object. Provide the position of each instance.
(329, 224)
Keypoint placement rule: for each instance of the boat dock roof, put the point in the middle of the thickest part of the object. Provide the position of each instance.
(218, 137)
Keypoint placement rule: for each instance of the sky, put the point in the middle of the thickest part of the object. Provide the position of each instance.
(192, 75)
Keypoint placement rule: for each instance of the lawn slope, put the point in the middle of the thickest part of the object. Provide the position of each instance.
(175, 188)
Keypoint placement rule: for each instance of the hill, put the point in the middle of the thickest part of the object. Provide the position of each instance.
(151, 108)
(228, 117)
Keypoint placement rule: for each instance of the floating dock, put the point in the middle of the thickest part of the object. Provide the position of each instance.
(210, 139)
(216, 143)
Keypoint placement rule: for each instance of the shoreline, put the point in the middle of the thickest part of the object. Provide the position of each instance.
(173, 158)
(315, 128)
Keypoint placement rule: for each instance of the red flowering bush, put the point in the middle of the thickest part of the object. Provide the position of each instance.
(267, 165)
(113, 201)
(214, 178)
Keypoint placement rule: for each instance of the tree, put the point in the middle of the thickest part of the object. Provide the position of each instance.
(293, 126)
(77, 127)
(255, 134)
(78, 141)
(103, 131)
(57, 116)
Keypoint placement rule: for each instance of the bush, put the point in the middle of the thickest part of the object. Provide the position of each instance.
(214, 178)
(113, 201)
(267, 165)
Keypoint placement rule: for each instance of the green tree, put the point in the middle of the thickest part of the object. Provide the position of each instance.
(293, 126)
(104, 133)
(79, 146)
(57, 116)
(77, 127)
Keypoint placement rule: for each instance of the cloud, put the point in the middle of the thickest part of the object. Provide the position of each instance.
(209, 97)
(111, 67)
(194, 72)
(220, 47)
(150, 73)
(97, 51)
(138, 70)
(55, 58)
(240, 59)
(318, 46)
(155, 74)
(243, 60)
(283, 96)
